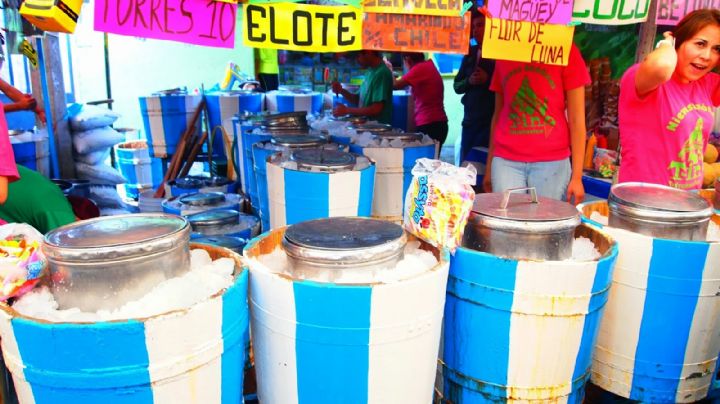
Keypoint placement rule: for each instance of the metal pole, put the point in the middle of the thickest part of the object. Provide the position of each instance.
(70, 66)
(108, 88)
(55, 166)
(648, 31)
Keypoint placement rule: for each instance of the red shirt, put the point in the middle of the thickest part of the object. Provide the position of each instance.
(532, 125)
(427, 92)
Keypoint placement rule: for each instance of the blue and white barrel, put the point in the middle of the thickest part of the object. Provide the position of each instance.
(523, 330)
(659, 338)
(182, 186)
(394, 175)
(403, 112)
(224, 222)
(222, 107)
(32, 151)
(327, 343)
(188, 204)
(288, 101)
(194, 355)
(299, 194)
(165, 118)
(245, 138)
(140, 171)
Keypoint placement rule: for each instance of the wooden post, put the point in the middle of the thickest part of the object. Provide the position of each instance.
(648, 31)
(56, 108)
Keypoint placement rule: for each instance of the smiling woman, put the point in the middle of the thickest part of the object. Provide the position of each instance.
(667, 103)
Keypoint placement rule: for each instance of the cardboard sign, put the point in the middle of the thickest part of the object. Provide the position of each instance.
(524, 41)
(302, 27)
(354, 3)
(670, 12)
(547, 11)
(611, 12)
(416, 33)
(449, 8)
(199, 22)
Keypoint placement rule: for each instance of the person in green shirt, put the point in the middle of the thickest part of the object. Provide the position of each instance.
(37, 201)
(375, 97)
(267, 69)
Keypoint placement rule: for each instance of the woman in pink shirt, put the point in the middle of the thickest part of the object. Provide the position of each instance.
(667, 103)
(427, 93)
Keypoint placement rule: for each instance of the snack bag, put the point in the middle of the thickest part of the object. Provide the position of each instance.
(22, 264)
(439, 201)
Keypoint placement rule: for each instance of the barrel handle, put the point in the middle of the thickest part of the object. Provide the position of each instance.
(507, 193)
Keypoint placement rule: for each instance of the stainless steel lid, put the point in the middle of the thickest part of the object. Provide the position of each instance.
(203, 199)
(216, 181)
(323, 159)
(221, 217)
(372, 127)
(234, 93)
(658, 202)
(232, 243)
(188, 183)
(404, 136)
(512, 210)
(113, 237)
(288, 131)
(171, 91)
(298, 118)
(298, 141)
(344, 240)
(354, 119)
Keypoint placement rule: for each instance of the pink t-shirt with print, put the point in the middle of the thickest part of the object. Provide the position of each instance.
(7, 157)
(427, 92)
(532, 125)
(664, 134)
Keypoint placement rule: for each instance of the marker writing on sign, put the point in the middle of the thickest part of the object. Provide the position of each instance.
(672, 10)
(513, 31)
(613, 9)
(303, 24)
(523, 10)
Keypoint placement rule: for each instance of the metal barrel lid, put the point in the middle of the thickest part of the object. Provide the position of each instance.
(216, 181)
(221, 217)
(344, 240)
(404, 136)
(323, 159)
(187, 183)
(113, 237)
(353, 119)
(203, 199)
(658, 202)
(232, 243)
(234, 93)
(286, 131)
(298, 141)
(512, 209)
(372, 127)
(172, 91)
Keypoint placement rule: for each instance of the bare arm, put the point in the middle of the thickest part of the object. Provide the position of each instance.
(12, 92)
(400, 83)
(487, 183)
(657, 68)
(371, 110)
(576, 123)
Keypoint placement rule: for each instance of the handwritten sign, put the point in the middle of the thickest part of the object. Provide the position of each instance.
(302, 27)
(524, 41)
(354, 3)
(547, 11)
(611, 12)
(425, 7)
(416, 33)
(670, 12)
(199, 22)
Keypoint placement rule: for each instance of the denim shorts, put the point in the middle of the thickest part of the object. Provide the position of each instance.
(549, 178)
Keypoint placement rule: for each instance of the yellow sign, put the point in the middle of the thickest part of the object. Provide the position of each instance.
(524, 41)
(302, 27)
(449, 8)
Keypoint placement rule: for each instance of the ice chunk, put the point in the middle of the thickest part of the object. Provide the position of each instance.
(596, 216)
(583, 249)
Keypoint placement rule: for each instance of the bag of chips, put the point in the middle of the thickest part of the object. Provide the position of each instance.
(22, 264)
(438, 202)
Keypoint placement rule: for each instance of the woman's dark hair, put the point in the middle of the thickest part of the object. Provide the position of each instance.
(692, 23)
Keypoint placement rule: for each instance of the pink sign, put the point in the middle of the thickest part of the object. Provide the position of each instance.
(546, 11)
(199, 22)
(670, 12)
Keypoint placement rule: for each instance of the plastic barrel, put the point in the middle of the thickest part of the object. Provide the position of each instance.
(285, 101)
(194, 355)
(140, 170)
(523, 330)
(403, 112)
(34, 154)
(222, 107)
(147, 203)
(325, 343)
(296, 196)
(260, 156)
(245, 140)
(659, 339)
(393, 177)
(165, 119)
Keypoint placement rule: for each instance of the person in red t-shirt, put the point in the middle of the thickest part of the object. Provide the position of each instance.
(533, 141)
(427, 92)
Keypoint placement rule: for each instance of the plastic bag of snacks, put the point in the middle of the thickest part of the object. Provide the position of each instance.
(439, 201)
(21, 262)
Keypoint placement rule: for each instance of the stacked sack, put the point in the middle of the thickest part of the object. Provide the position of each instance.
(92, 140)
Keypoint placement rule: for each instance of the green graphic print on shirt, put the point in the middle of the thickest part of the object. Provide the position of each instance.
(686, 171)
(528, 113)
